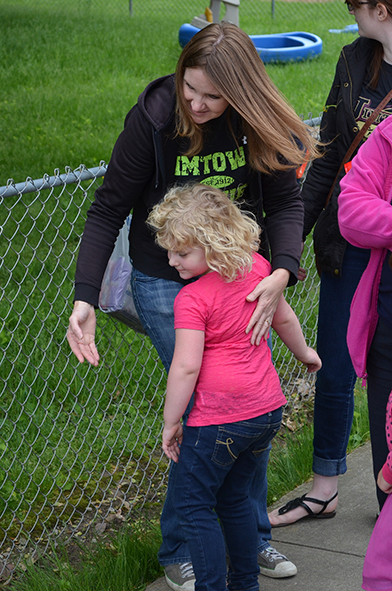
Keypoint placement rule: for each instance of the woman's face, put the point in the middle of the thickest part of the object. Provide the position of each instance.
(204, 101)
(366, 18)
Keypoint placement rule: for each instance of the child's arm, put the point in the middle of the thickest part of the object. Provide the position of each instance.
(287, 326)
(181, 381)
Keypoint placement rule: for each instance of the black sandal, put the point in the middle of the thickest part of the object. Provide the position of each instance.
(300, 502)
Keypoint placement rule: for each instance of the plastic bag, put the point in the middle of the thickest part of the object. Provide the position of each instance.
(115, 297)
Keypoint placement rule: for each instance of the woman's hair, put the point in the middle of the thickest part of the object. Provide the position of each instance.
(378, 54)
(276, 136)
(202, 216)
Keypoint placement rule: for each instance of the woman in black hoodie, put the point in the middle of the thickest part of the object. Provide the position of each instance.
(220, 121)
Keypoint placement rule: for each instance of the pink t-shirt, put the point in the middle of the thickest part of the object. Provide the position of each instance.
(237, 380)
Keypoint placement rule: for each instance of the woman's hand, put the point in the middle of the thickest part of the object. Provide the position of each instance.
(268, 291)
(171, 441)
(81, 333)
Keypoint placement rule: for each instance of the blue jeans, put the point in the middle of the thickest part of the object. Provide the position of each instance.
(334, 397)
(154, 300)
(213, 480)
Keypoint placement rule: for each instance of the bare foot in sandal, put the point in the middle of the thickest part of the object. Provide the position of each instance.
(319, 503)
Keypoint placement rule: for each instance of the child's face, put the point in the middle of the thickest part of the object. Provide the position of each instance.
(189, 262)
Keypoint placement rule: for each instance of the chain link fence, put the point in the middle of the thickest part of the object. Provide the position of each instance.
(255, 16)
(80, 446)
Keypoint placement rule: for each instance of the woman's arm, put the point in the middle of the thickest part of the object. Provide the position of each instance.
(181, 381)
(268, 291)
(322, 171)
(131, 166)
(283, 220)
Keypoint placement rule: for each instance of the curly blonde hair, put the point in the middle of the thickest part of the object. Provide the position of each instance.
(201, 216)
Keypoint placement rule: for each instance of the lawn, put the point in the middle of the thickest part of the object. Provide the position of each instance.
(70, 73)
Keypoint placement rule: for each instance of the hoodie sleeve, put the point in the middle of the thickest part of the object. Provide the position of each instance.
(323, 171)
(131, 167)
(365, 212)
(284, 215)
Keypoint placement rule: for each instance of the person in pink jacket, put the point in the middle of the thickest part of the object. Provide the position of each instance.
(377, 569)
(365, 220)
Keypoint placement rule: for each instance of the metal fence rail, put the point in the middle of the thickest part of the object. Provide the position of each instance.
(79, 446)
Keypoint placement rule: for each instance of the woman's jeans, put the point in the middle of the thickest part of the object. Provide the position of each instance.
(334, 397)
(379, 386)
(213, 480)
(154, 300)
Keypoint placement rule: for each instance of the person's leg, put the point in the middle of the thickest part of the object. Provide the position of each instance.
(234, 505)
(207, 456)
(154, 299)
(271, 562)
(379, 370)
(334, 397)
(197, 483)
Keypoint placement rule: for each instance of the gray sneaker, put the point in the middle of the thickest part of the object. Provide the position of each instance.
(180, 577)
(274, 564)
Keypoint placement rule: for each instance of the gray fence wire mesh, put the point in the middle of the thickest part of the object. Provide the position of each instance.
(80, 446)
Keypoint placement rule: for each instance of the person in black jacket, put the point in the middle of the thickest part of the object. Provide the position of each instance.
(219, 121)
(363, 78)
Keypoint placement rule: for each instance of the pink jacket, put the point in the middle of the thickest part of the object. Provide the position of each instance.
(365, 220)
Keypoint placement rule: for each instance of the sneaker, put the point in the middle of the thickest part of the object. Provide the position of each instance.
(180, 577)
(274, 564)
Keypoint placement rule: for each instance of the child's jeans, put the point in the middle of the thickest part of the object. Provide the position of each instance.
(215, 471)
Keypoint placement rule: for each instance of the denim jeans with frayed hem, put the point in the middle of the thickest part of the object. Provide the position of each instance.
(334, 397)
(154, 300)
(212, 485)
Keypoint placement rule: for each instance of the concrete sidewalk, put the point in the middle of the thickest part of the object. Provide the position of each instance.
(328, 553)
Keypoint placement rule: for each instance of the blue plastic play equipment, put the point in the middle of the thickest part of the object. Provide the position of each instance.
(280, 47)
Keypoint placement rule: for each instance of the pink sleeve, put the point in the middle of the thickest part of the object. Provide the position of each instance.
(189, 310)
(364, 214)
(387, 468)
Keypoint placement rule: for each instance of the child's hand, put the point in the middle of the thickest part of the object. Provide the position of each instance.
(302, 273)
(311, 360)
(383, 484)
(171, 441)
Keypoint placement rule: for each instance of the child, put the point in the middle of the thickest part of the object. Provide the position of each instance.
(377, 569)
(238, 400)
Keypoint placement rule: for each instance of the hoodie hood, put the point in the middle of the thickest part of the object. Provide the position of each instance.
(157, 102)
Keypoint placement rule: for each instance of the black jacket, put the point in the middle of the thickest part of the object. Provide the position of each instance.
(138, 177)
(337, 131)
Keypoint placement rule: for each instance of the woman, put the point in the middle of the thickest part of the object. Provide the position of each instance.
(219, 121)
(363, 78)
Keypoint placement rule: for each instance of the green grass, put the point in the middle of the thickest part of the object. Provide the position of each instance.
(70, 73)
(292, 452)
(128, 561)
(124, 562)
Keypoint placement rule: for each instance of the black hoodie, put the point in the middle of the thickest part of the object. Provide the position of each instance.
(148, 159)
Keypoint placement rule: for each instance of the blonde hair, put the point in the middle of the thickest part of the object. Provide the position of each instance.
(202, 216)
(276, 136)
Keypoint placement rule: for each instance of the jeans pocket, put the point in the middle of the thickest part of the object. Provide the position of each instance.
(229, 443)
